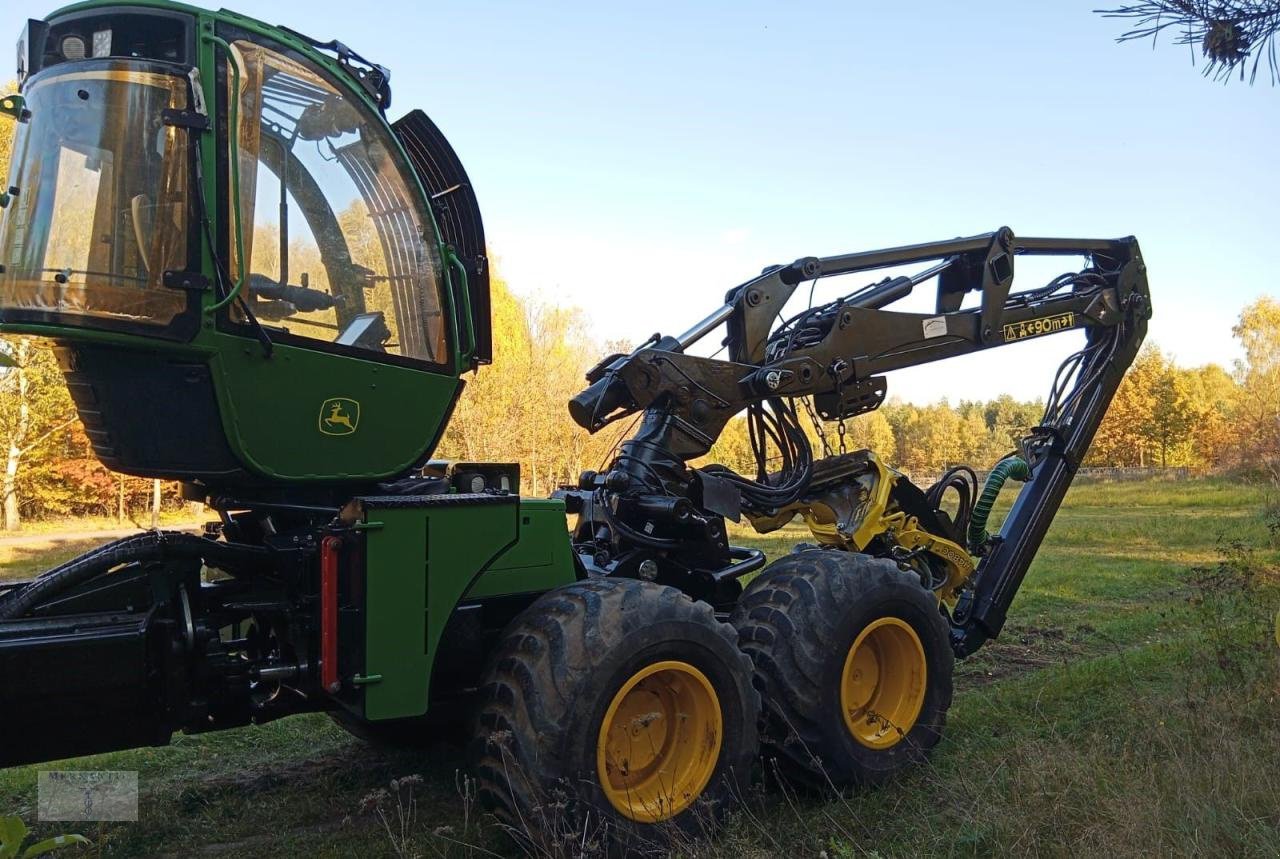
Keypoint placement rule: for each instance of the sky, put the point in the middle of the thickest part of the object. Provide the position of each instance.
(636, 160)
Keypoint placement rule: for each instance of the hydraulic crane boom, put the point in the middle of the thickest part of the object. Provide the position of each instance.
(653, 507)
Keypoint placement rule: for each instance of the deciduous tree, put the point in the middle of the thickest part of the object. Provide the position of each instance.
(1120, 440)
(1258, 413)
(34, 407)
(1168, 425)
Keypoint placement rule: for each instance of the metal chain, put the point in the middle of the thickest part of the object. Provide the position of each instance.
(836, 369)
(817, 425)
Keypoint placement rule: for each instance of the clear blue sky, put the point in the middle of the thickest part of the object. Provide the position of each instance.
(638, 159)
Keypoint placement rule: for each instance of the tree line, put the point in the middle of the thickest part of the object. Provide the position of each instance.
(514, 411)
(1162, 415)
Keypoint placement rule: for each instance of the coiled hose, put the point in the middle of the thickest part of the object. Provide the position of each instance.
(1010, 467)
(152, 546)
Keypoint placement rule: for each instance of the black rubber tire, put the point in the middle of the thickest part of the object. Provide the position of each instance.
(797, 622)
(549, 685)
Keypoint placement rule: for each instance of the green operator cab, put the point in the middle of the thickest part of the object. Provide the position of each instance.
(335, 290)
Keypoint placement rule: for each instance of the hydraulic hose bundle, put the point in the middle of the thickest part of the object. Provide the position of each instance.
(964, 481)
(777, 426)
(149, 547)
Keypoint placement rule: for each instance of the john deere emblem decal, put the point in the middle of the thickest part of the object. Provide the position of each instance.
(339, 416)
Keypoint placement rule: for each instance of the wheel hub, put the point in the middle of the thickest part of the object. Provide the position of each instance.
(882, 686)
(659, 741)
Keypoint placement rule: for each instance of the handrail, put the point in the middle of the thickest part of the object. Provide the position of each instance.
(233, 140)
(456, 263)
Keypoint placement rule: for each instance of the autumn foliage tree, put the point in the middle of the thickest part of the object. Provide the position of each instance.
(515, 409)
(1167, 425)
(1257, 417)
(1166, 415)
(34, 408)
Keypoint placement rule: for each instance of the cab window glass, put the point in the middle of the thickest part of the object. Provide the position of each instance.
(101, 206)
(335, 248)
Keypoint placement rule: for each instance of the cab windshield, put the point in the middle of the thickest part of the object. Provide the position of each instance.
(337, 249)
(100, 209)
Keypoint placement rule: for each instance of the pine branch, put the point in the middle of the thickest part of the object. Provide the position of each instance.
(1232, 34)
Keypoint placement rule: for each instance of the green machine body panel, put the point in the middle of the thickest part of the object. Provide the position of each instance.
(425, 555)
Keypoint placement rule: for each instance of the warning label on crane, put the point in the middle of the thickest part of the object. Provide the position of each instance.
(1036, 327)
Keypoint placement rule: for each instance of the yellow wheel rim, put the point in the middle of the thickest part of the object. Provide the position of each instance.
(882, 686)
(659, 741)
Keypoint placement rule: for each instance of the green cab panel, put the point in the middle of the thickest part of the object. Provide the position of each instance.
(306, 415)
(225, 413)
(424, 555)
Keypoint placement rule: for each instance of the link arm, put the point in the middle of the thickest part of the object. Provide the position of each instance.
(855, 343)
(1053, 466)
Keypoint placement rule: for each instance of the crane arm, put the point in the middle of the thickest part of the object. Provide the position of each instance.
(837, 353)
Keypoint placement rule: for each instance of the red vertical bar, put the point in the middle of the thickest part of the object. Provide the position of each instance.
(329, 548)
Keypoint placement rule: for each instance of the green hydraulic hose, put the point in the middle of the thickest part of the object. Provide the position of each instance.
(1012, 466)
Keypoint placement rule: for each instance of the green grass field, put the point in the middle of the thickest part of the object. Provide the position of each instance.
(1129, 708)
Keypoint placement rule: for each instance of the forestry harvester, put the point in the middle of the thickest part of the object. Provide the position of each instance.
(259, 285)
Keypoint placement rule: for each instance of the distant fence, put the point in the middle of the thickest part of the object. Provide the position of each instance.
(1179, 472)
(1100, 475)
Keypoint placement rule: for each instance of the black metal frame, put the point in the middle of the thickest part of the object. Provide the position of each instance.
(650, 506)
(457, 213)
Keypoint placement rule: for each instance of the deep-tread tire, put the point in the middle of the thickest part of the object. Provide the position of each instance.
(549, 685)
(797, 622)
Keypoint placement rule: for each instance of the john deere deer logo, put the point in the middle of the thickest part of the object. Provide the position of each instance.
(339, 416)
